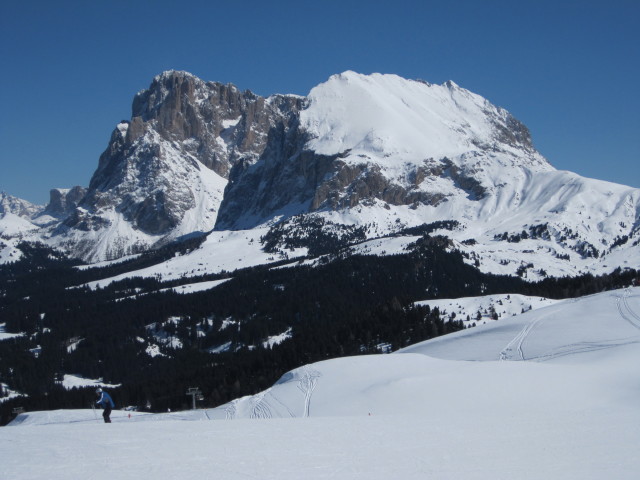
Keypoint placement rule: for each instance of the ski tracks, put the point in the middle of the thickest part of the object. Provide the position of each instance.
(507, 352)
(584, 347)
(514, 351)
(259, 407)
(307, 385)
(230, 411)
(255, 406)
(261, 404)
(625, 311)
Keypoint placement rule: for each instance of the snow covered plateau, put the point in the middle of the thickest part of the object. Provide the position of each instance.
(550, 393)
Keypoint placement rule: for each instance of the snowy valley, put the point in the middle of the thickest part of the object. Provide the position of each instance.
(550, 393)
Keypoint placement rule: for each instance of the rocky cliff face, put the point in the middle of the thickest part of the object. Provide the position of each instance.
(164, 171)
(218, 124)
(63, 202)
(17, 206)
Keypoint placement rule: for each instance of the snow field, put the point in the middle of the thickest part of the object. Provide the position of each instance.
(552, 393)
(221, 251)
(504, 305)
(468, 445)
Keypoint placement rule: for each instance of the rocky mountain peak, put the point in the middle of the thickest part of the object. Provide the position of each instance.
(63, 202)
(363, 139)
(18, 206)
(163, 172)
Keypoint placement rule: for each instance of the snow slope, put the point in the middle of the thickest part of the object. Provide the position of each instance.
(221, 251)
(576, 331)
(550, 394)
(568, 348)
(387, 116)
(503, 305)
(13, 225)
(478, 166)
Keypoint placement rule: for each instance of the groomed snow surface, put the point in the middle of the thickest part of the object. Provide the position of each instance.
(549, 394)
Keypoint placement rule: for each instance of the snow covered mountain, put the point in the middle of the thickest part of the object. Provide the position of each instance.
(381, 141)
(16, 206)
(373, 151)
(551, 393)
(164, 172)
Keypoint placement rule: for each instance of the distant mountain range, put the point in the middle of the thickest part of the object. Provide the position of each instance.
(377, 153)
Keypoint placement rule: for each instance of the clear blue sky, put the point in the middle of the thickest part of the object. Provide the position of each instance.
(570, 70)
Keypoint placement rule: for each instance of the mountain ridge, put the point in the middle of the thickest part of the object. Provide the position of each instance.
(359, 150)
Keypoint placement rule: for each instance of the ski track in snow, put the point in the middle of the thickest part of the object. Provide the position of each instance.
(625, 312)
(230, 411)
(307, 385)
(583, 347)
(291, 414)
(259, 407)
(506, 353)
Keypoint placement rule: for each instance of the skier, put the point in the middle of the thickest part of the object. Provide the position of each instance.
(107, 404)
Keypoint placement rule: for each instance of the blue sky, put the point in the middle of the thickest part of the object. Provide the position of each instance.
(570, 70)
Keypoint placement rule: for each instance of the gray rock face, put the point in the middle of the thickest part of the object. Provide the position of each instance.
(183, 119)
(63, 203)
(219, 123)
(17, 206)
(309, 182)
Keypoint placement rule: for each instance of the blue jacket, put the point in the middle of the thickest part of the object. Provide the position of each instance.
(105, 399)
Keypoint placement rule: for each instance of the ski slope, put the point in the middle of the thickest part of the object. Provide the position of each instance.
(552, 393)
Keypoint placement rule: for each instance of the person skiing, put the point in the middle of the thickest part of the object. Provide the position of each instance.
(107, 404)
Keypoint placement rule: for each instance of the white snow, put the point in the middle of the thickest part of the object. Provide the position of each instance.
(225, 347)
(154, 351)
(5, 335)
(76, 381)
(231, 123)
(12, 225)
(220, 252)
(277, 339)
(387, 114)
(122, 128)
(9, 394)
(505, 305)
(199, 287)
(384, 246)
(551, 393)
(73, 345)
(8, 251)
